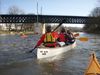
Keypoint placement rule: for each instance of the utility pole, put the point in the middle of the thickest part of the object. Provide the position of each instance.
(37, 13)
(0, 6)
(37, 29)
(41, 10)
(38, 25)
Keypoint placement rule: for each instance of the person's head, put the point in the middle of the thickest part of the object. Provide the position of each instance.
(48, 28)
(68, 31)
(63, 30)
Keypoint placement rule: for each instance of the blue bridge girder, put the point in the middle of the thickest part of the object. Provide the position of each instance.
(5, 18)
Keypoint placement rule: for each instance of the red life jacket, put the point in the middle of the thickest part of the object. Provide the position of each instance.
(62, 37)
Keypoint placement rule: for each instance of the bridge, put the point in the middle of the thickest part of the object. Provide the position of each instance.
(48, 19)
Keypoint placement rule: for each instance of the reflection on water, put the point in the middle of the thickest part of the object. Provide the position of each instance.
(15, 61)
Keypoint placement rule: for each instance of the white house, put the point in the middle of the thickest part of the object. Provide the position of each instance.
(3, 26)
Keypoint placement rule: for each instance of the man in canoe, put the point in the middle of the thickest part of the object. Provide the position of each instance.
(70, 37)
(65, 38)
(62, 39)
(49, 38)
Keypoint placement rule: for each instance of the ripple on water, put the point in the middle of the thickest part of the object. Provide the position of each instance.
(15, 61)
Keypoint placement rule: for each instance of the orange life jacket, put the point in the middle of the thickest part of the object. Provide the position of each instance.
(49, 40)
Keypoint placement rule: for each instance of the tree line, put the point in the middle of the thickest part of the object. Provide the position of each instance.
(93, 28)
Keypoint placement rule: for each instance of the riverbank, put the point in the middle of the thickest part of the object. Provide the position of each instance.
(14, 33)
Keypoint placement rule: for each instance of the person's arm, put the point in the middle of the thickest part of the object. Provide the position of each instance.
(72, 35)
(41, 40)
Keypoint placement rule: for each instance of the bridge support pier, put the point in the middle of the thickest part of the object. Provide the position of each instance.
(40, 28)
(43, 28)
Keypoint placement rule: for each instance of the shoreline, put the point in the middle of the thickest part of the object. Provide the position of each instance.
(14, 33)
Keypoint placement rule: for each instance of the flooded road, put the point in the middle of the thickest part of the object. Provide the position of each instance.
(15, 61)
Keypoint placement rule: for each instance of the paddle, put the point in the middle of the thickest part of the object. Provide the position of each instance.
(32, 49)
(58, 26)
(83, 39)
(52, 31)
(76, 34)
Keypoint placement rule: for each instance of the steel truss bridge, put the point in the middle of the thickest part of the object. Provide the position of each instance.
(48, 19)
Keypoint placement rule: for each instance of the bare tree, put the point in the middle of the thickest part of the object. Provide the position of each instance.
(95, 12)
(98, 3)
(93, 27)
(14, 10)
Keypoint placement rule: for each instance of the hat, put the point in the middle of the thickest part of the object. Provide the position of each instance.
(63, 30)
(48, 28)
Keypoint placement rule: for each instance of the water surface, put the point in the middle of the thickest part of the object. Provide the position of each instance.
(15, 61)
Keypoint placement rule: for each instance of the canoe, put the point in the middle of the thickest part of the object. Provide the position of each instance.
(50, 52)
(93, 67)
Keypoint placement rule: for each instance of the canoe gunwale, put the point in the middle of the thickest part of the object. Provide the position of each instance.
(54, 47)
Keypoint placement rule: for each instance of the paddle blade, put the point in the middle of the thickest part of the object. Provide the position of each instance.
(83, 39)
(29, 51)
(76, 34)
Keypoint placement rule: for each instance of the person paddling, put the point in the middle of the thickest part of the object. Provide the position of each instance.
(70, 37)
(49, 38)
(62, 37)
